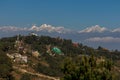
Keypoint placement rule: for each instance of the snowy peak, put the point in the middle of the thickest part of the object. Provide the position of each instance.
(49, 28)
(34, 28)
(44, 27)
(59, 29)
(95, 28)
(116, 30)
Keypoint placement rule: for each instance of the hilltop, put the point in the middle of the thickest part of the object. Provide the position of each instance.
(42, 57)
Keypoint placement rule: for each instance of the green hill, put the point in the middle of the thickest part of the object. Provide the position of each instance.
(49, 58)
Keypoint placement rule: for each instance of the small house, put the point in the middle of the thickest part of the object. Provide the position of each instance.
(35, 54)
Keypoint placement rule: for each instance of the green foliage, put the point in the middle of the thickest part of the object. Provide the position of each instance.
(26, 77)
(5, 67)
(87, 68)
(82, 68)
(54, 66)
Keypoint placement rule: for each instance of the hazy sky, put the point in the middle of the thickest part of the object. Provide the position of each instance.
(74, 14)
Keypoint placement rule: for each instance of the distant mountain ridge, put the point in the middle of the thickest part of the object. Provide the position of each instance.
(93, 36)
(59, 29)
(95, 28)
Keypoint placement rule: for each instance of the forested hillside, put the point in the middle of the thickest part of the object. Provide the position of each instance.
(31, 57)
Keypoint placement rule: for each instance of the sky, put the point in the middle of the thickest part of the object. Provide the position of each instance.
(73, 14)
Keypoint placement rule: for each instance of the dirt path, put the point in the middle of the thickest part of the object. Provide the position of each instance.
(35, 74)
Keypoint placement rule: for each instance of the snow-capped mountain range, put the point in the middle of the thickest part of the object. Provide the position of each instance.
(44, 27)
(92, 36)
(60, 29)
(49, 28)
(95, 28)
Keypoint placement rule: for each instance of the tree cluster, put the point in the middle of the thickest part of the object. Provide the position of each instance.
(5, 67)
(87, 68)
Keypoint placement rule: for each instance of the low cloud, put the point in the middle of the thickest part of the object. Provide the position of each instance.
(12, 28)
(104, 39)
